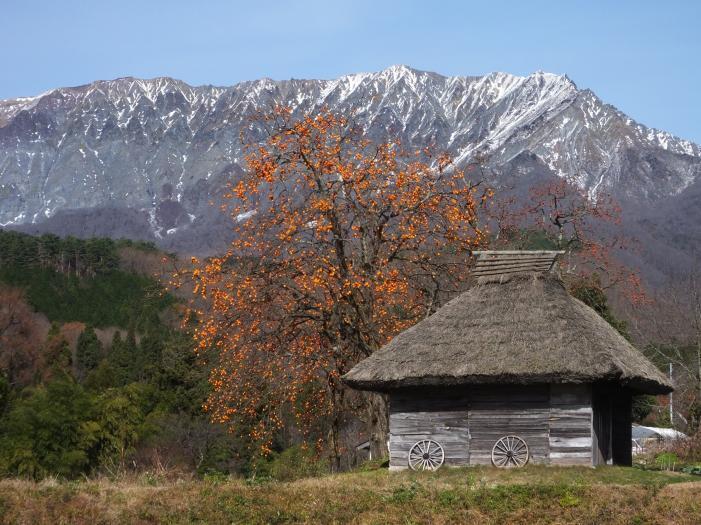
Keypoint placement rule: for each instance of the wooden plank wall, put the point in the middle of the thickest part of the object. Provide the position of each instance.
(427, 414)
(499, 410)
(570, 425)
(555, 421)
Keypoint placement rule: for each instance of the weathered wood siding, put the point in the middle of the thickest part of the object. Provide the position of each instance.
(554, 420)
(424, 414)
(570, 425)
(499, 410)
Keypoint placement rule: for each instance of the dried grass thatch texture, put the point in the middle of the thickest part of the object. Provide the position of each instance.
(524, 328)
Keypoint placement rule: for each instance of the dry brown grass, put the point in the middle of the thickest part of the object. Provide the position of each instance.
(531, 495)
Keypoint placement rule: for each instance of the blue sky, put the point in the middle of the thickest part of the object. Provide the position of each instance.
(642, 56)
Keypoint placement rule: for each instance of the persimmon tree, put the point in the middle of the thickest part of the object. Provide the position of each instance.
(339, 244)
(559, 214)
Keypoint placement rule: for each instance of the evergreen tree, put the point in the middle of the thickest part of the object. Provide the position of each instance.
(124, 358)
(58, 356)
(102, 378)
(182, 382)
(88, 352)
(150, 351)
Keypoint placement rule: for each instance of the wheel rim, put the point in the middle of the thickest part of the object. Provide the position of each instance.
(426, 455)
(510, 451)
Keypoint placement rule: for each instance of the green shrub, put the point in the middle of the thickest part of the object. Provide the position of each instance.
(50, 431)
(569, 500)
(666, 460)
(405, 493)
(448, 498)
(692, 469)
(292, 463)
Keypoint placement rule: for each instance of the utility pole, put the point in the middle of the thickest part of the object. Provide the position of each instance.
(671, 399)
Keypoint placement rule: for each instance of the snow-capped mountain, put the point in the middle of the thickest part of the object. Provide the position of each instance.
(145, 158)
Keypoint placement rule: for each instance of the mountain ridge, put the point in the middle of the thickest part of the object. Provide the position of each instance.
(133, 155)
(397, 71)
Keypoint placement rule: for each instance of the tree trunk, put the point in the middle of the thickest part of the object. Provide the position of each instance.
(698, 362)
(335, 452)
(378, 425)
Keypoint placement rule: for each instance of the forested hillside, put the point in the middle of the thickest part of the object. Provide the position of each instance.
(80, 280)
(96, 372)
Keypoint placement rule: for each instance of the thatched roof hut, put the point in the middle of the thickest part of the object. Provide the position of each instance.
(518, 326)
(523, 328)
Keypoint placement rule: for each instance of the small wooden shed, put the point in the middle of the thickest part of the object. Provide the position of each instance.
(513, 370)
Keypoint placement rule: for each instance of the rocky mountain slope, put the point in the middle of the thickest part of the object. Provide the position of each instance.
(146, 158)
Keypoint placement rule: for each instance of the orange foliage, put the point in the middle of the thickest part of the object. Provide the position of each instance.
(339, 245)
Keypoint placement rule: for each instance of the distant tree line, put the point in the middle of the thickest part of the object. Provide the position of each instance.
(69, 255)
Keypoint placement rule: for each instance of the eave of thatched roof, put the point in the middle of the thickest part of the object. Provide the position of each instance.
(523, 328)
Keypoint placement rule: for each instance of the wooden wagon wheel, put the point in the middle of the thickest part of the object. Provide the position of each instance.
(426, 455)
(510, 451)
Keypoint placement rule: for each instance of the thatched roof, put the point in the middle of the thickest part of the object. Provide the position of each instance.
(509, 328)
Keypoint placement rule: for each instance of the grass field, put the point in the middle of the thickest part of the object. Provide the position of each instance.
(474, 495)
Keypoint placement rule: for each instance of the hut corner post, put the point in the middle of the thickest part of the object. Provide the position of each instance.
(378, 424)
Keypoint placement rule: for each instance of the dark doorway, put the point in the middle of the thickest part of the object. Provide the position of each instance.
(611, 406)
(602, 436)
